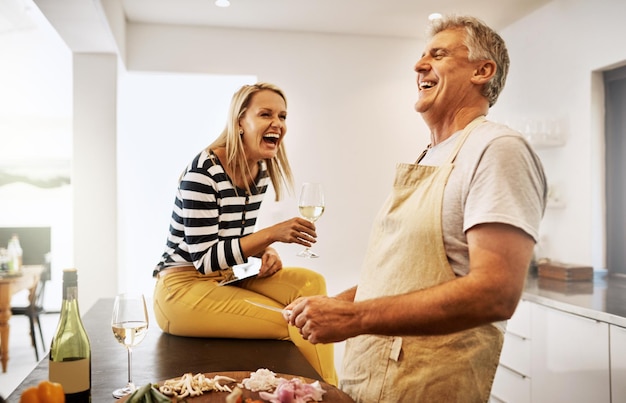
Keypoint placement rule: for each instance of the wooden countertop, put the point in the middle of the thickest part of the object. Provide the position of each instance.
(161, 356)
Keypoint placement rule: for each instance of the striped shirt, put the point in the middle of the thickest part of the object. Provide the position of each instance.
(210, 216)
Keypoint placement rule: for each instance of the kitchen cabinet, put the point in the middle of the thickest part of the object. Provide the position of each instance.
(554, 356)
(513, 381)
(618, 363)
(570, 357)
(566, 342)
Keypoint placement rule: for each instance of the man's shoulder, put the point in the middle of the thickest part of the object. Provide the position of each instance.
(489, 131)
(492, 133)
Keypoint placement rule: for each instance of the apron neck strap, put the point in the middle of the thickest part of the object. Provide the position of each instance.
(468, 129)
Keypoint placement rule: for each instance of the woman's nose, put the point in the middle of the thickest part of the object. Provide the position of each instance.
(277, 122)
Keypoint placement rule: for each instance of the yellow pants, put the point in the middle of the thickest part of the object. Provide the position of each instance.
(188, 303)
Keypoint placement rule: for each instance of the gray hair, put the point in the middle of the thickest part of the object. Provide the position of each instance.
(483, 43)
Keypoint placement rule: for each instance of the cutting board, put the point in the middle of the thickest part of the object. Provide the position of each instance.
(565, 271)
(332, 394)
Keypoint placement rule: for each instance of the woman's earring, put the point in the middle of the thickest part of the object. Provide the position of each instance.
(241, 132)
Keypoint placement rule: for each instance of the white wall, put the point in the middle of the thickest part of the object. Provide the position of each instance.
(94, 167)
(555, 52)
(164, 120)
(351, 118)
(351, 115)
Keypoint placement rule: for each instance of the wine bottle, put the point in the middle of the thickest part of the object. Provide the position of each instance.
(70, 352)
(15, 254)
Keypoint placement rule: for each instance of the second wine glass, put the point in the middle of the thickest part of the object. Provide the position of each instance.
(311, 206)
(130, 325)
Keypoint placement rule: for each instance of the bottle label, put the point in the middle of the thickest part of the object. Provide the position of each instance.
(73, 375)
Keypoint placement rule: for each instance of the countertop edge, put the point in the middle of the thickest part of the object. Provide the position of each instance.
(575, 309)
(601, 299)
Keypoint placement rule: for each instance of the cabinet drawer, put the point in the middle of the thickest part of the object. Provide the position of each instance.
(570, 358)
(510, 387)
(520, 321)
(516, 353)
(618, 363)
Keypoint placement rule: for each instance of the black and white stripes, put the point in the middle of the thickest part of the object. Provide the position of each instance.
(210, 215)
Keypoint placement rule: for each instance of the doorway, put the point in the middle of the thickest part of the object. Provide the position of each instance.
(615, 168)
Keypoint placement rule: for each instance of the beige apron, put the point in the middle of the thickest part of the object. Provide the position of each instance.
(406, 253)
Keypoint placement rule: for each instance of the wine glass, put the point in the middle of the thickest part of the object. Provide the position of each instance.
(130, 325)
(311, 206)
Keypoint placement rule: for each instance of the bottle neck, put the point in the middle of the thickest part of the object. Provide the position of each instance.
(69, 306)
(70, 293)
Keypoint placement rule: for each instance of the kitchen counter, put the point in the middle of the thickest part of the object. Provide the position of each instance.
(602, 299)
(162, 356)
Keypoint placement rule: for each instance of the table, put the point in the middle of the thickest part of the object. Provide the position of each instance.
(9, 285)
(161, 356)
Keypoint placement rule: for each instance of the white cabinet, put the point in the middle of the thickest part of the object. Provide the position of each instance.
(516, 353)
(570, 358)
(618, 363)
(554, 356)
(510, 386)
(520, 322)
(512, 383)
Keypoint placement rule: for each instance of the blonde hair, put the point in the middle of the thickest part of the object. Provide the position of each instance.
(278, 167)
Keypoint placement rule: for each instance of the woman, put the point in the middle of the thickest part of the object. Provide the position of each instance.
(212, 229)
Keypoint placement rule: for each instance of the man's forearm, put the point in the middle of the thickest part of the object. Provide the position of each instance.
(347, 295)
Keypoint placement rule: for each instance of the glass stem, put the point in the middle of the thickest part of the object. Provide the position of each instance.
(130, 367)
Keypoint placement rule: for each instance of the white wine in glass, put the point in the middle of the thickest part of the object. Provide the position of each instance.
(130, 325)
(311, 206)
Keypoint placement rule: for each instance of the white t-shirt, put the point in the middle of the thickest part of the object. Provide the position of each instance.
(497, 177)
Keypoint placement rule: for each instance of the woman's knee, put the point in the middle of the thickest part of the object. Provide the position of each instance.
(161, 318)
(309, 282)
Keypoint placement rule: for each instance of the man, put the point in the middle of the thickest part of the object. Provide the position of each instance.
(450, 248)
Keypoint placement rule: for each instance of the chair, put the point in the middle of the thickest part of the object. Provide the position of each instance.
(33, 310)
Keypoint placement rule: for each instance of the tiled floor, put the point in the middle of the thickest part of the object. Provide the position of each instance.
(21, 353)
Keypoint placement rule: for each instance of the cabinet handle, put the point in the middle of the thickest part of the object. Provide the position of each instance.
(499, 399)
(514, 371)
(519, 336)
(592, 320)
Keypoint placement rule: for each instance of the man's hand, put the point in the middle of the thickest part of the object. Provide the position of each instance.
(324, 319)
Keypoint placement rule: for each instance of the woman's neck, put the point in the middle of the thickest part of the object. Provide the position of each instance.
(236, 177)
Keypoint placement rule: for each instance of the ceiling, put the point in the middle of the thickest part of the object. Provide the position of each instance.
(81, 24)
(400, 18)
(14, 16)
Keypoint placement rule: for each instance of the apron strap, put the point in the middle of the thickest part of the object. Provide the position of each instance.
(468, 129)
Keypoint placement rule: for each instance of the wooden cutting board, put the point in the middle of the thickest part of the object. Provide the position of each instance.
(332, 394)
(565, 271)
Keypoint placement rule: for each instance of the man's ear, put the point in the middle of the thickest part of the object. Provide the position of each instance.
(485, 70)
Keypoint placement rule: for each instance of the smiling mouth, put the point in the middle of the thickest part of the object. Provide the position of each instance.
(271, 138)
(425, 85)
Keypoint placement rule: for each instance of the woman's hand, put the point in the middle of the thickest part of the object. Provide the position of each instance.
(295, 230)
(270, 263)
